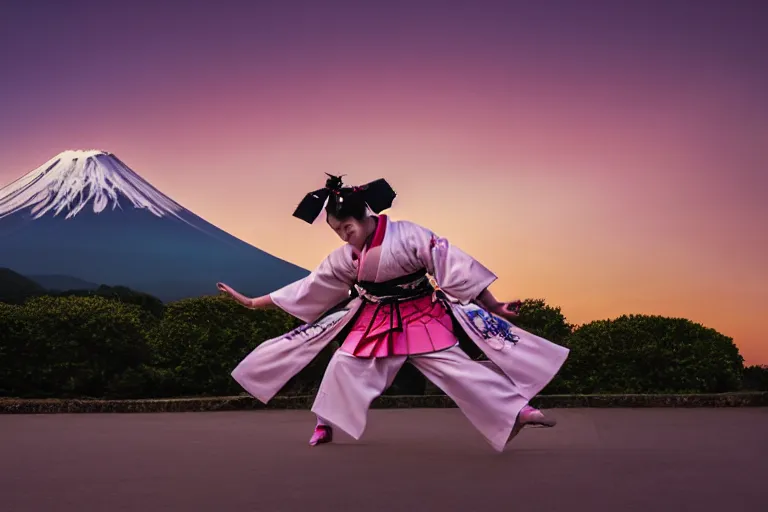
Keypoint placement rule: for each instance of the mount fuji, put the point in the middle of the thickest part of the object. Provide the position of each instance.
(88, 216)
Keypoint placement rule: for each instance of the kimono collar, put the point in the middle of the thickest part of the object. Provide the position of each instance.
(378, 235)
(376, 238)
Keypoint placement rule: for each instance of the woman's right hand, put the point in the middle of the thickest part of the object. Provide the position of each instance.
(245, 301)
(225, 288)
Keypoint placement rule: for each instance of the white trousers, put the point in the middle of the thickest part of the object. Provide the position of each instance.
(487, 397)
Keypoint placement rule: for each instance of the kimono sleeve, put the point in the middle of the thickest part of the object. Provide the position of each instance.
(457, 273)
(328, 285)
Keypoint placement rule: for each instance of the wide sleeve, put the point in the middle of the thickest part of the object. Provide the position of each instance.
(327, 285)
(457, 273)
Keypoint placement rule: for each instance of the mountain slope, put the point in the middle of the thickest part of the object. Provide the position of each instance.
(14, 287)
(62, 282)
(87, 215)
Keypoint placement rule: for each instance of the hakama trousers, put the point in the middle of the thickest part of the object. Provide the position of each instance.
(487, 397)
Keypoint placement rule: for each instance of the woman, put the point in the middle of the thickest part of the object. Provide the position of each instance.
(397, 317)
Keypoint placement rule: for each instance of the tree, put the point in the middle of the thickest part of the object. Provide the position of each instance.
(651, 354)
(13, 345)
(145, 301)
(756, 378)
(548, 322)
(68, 346)
(200, 340)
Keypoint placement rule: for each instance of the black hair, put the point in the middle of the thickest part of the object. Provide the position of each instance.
(347, 203)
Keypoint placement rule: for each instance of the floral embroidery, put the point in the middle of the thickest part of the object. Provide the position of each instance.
(489, 326)
(312, 330)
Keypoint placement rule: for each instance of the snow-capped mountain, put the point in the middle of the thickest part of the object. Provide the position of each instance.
(87, 215)
(73, 179)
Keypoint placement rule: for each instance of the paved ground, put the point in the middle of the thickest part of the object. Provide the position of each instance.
(412, 460)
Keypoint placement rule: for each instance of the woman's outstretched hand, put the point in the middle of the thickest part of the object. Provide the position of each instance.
(239, 297)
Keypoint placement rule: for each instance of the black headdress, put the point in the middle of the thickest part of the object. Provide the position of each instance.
(377, 194)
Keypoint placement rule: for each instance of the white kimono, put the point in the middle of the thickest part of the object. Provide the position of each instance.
(489, 397)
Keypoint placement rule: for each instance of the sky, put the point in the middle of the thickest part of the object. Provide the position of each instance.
(609, 157)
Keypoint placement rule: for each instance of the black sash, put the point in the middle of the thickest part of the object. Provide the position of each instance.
(406, 287)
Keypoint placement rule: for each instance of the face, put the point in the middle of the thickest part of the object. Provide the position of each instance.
(352, 231)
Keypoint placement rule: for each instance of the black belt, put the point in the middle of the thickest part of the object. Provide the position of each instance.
(398, 286)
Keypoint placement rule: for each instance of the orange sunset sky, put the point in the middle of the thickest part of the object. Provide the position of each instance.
(608, 158)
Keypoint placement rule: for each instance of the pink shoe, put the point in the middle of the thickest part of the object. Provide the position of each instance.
(323, 434)
(531, 416)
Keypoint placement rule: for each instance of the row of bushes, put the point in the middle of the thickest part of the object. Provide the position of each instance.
(97, 346)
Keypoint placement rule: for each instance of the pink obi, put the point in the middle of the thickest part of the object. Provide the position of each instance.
(421, 326)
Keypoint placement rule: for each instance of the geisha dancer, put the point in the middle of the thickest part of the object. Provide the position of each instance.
(395, 315)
